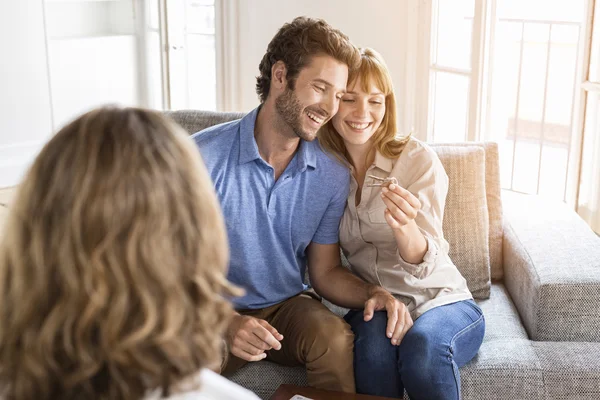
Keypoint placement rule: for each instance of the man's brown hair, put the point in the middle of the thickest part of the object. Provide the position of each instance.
(296, 42)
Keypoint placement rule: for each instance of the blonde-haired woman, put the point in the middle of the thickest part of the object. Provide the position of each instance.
(112, 267)
(391, 233)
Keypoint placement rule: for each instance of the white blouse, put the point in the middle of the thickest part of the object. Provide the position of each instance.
(369, 244)
(207, 385)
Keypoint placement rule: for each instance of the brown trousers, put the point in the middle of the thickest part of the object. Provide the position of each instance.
(312, 336)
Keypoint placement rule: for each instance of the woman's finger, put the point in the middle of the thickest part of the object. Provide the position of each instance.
(391, 221)
(405, 194)
(401, 202)
(396, 212)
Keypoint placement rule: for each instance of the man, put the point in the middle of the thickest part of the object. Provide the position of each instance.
(282, 198)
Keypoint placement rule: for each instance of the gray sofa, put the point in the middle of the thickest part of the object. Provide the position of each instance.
(534, 266)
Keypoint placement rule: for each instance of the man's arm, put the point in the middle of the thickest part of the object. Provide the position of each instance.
(334, 282)
(340, 286)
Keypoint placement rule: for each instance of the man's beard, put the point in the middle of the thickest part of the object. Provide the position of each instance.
(291, 111)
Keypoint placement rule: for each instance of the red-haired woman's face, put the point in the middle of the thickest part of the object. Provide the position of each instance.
(360, 113)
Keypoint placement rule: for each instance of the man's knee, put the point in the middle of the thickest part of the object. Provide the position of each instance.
(331, 337)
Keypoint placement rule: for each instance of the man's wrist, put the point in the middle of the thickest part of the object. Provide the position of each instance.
(232, 322)
(375, 289)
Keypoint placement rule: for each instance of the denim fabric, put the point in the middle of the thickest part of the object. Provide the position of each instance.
(427, 360)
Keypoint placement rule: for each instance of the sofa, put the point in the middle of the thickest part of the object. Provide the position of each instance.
(533, 266)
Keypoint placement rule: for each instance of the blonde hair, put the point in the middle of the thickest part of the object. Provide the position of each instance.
(372, 70)
(112, 264)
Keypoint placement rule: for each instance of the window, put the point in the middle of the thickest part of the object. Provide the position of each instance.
(450, 70)
(507, 71)
(533, 92)
(192, 57)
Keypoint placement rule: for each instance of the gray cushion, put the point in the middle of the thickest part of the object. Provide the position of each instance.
(508, 365)
(552, 269)
(194, 121)
(264, 377)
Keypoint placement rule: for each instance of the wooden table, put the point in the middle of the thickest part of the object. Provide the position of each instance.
(286, 392)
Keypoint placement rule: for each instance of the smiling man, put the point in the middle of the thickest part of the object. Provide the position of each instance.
(282, 198)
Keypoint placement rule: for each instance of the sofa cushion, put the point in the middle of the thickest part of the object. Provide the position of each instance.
(506, 361)
(524, 369)
(264, 377)
(466, 218)
(494, 202)
(7, 196)
(194, 121)
(552, 269)
(3, 218)
(508, 364)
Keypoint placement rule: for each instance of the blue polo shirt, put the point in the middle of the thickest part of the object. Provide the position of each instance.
(270, 223)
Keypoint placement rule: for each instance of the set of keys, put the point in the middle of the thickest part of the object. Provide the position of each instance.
(381, 182)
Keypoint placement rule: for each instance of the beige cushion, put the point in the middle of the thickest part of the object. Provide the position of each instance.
(466, 219)
(494, 202)
(3, 216)
(6, 198)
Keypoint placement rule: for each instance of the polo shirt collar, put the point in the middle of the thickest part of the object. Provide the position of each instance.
(248, 147)
(306, 155)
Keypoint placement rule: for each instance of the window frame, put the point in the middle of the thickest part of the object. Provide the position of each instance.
(480, 75)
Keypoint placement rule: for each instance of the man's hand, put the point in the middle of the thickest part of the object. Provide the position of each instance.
(248, 338)
(399, 319)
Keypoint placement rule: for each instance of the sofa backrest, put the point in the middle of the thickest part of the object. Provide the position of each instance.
(194, 120)
(473, 214)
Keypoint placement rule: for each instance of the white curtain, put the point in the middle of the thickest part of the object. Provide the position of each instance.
(589, 185)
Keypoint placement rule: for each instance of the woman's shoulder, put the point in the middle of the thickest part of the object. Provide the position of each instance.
(212, 386)
(418, 155)
(415, 149)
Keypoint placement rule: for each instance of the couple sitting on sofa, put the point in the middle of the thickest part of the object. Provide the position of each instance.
(287, 203)
(113, 258)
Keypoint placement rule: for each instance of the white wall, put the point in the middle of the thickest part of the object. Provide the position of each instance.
(25, 112)
(93, 56)
(87, 72)
(380, 24)
(68, 19)
(58, 61)
(30, 108)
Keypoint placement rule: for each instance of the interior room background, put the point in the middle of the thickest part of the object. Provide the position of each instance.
(522, 73)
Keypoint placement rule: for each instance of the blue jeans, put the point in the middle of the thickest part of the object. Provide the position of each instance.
(426, 362)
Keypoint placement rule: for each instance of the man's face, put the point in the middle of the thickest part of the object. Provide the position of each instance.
(315, 98)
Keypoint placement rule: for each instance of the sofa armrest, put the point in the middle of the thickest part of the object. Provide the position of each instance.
(551, 269)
